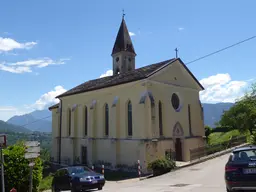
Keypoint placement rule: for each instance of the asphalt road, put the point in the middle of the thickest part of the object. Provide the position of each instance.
(207, 176)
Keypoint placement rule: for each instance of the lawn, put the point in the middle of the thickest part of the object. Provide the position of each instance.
(46, 183)
(219, 137)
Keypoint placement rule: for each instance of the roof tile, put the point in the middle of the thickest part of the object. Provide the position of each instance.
(130, 76)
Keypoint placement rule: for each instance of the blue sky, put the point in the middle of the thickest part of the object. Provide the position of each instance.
(43, 42)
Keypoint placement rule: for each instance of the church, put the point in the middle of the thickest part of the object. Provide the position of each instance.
(135, 114)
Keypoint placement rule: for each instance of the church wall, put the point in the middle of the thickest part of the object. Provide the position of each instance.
(190, 144)
(170, 116)
(176, 74)
(162, 89)
(162, 86)
(130, 152)
(103, 148)
(55, 134)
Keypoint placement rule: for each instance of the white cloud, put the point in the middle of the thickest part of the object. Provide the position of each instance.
(8, 44)
(48, 98)
(44, 101)
(108, 73)
(39, 62)
(6, 112)
(221, 88)
(181, 28)
(27, 65)
(132, 34)
(11, 69)
(7, 108)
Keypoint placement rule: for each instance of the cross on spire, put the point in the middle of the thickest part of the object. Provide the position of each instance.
(123, 14)
(176, 51)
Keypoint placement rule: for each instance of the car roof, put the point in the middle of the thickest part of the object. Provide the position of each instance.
(250, 147)
(70, 167)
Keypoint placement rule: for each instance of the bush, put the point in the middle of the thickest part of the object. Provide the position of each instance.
(161, 166)
(222, 129)
(17, 169)
(253, 139)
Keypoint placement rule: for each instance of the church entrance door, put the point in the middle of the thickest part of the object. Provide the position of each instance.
(178, 149)
(84, 155)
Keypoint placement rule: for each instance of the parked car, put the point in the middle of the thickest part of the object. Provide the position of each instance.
(77, 178)
(240, 170)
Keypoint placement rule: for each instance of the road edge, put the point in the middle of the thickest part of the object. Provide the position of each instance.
(206, 158)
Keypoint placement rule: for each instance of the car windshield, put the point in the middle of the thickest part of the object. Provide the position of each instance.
(79, 170)
(246, 155)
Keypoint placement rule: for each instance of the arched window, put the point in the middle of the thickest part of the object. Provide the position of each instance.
(69, 122)
(85, 121)
(160, 118)
(106, 120)
(129, 110)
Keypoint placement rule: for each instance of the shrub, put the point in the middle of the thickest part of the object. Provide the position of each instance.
(161, 166)
(17, 169)
(253, 139)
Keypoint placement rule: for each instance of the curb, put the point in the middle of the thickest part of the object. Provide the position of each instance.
(218, 154)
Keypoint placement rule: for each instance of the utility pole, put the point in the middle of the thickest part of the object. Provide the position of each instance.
(2, 170)
(2, 145)
(32, 152)
(31, 176)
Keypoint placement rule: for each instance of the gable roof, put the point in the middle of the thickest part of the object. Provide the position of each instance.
(122, 78)
(54, 106)
(123, 40)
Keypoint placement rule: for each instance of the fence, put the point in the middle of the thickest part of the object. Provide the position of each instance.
(200, 152)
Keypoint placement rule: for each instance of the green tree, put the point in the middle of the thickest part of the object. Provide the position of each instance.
(17, 169)
(208, 131)
(45, 154)
(242, 115)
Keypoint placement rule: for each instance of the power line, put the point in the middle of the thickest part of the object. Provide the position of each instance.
(35, 121)
(220, 50)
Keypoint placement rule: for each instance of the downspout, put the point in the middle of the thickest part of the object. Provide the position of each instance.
(60, 131)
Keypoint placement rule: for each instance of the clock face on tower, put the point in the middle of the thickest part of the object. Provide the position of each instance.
(117, 59)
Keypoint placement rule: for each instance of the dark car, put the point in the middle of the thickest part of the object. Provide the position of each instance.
(77, 178)
(240, 170)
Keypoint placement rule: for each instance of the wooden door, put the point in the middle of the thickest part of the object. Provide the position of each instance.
(84, 155)
(178, 149)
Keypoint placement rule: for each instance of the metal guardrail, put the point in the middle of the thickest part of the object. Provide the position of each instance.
(200, 152)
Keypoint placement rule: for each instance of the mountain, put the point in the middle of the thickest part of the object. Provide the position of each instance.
(213, 112)
(6, 127)
(39, 120)
(42, 114)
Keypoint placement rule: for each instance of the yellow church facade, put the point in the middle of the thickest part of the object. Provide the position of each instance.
(135, 114)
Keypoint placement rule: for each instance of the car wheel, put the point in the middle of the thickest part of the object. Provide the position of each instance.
(100, 188)
(73, 189)
(54, 189)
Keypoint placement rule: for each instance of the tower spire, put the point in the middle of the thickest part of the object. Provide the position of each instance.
(123, 40)
(123, 52)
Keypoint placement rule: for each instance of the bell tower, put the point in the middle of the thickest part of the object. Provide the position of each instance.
(123, 53)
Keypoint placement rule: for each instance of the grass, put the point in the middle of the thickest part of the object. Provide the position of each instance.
(219, 137)
(46, 183)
